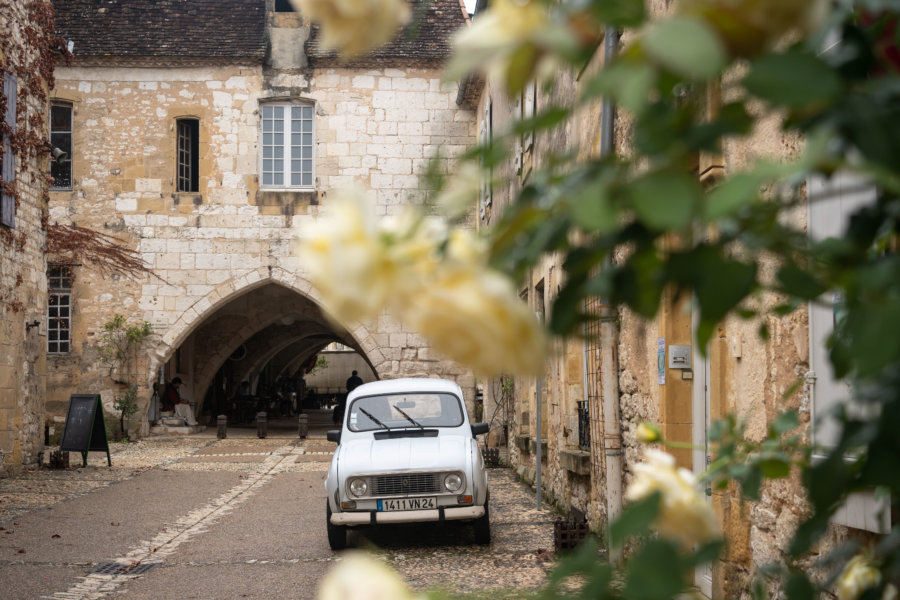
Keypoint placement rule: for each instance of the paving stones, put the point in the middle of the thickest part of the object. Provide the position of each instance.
(428, 556)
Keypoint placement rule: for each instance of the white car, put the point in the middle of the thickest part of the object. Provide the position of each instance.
(406, 454)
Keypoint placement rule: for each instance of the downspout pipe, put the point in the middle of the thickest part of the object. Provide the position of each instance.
(609, 362)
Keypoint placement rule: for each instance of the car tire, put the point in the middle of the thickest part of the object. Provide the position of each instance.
(482, 525)
(337, 535)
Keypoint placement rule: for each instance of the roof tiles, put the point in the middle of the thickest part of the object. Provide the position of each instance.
(164, 28)
(426, 41)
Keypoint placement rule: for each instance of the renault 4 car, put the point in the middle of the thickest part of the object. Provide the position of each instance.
(406, 454)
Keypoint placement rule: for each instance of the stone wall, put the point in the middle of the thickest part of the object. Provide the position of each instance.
(374, 127)
(748, 376)
(23, 295)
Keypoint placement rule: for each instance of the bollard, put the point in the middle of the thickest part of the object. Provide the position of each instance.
(303, 425)
(222, 422)
(261, 424)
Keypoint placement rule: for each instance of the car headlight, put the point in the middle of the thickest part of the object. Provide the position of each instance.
(358, 486)
(452, 482)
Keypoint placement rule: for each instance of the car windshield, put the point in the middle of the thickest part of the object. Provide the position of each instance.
(398, 411)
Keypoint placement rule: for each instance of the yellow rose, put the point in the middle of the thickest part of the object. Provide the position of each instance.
(473, 316)
(355, 26)
(512, 41)
(361, 577)
(685, 516)
(435, 278)
(647, 433)
(858, 576)
(346, 260)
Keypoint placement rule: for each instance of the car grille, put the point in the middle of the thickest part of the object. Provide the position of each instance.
(404, 484)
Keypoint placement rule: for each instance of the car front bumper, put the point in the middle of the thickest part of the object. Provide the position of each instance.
(459, 513)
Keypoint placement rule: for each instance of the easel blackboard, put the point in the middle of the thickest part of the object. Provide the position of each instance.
(85, 429)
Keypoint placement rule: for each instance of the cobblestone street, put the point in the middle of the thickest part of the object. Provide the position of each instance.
(240, 517)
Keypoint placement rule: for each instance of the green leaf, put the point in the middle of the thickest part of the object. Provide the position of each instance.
(627, 82)
(619, 13)
(731, 195)
(775, 469)
(686, 46)
(785, 422)
(635, 519)
(751, 483)
(521, 68)
(665, 199)
(660, 558)
(798, 587)
(546, 119)
(707, 552)
(592, 208)
(799, 282)
(794, 79)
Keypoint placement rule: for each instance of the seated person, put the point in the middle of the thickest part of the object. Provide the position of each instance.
(181, 406)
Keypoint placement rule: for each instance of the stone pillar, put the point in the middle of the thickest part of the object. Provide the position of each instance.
(303, 425)
(261, 424)
(222, 422)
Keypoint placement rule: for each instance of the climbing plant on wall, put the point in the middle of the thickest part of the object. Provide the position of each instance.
(119, 346)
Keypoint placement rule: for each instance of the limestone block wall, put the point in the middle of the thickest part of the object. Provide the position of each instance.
(374, 127)
(23, 287)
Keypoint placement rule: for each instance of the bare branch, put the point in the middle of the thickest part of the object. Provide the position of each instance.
(74, 244)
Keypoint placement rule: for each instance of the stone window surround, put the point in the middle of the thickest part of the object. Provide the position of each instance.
(287, 99)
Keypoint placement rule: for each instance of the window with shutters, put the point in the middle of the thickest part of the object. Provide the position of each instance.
(7, 199)
(61, 138)
(287, 146)
(59, 308)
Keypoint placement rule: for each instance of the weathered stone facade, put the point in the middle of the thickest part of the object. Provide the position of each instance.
(226, 279)
(742, 375)
(26, 45)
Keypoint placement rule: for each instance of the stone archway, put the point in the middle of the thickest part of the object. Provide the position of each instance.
(265, 308)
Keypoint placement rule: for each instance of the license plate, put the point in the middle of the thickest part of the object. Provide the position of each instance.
(406, 504)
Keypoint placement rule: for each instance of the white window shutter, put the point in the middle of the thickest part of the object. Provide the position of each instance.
(831, 203)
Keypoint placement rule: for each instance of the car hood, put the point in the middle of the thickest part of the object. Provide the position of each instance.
(368, 455)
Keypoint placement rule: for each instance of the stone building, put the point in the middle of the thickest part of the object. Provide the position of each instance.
(28, 51)
(596, 391)
(202, 133)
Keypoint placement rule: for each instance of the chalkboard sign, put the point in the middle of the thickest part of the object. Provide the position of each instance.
(85, 429)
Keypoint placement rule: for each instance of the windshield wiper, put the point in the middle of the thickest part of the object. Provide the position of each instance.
(374, 420)
(408, 418)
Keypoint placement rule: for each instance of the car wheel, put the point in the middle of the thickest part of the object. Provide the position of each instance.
(337, 535)
(482, 525)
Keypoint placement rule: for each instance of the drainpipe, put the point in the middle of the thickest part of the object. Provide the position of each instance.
(538, 444)
(609, 363)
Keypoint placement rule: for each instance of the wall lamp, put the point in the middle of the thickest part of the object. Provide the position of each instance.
(34, 323)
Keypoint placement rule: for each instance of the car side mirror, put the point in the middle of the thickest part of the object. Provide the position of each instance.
(479, 428)
(334, 435)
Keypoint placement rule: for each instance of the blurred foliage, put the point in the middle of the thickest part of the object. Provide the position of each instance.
(629, 227)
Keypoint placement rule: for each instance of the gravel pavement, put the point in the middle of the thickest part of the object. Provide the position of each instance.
(196, 517)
